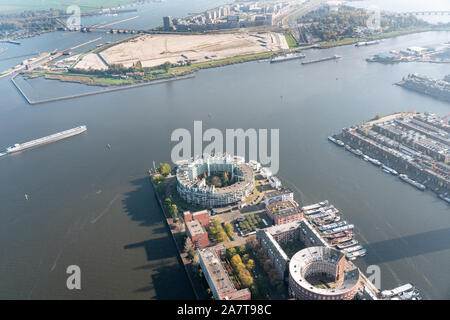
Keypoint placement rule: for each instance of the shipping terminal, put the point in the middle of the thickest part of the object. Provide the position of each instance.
(44, 140)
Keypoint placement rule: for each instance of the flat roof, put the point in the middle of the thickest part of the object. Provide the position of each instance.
(283, 209)
(216, 273)
(195, 228)
(276, 193)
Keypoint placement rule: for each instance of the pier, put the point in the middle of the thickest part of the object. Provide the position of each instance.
(335, 57)
(85, 94)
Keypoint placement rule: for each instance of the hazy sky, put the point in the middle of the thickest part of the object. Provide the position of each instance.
(407, 5)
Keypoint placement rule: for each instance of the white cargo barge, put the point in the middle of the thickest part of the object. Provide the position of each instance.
(44, 140)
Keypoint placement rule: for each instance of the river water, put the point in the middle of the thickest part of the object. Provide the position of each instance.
(93, 207)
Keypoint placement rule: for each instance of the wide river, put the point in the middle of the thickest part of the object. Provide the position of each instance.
(94, 207)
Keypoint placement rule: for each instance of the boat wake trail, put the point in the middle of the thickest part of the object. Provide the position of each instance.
(106, 209)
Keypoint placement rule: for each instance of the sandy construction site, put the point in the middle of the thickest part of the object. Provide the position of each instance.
(156, 49)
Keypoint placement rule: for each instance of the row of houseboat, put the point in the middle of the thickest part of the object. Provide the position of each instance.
(339, 233)
(377, 163)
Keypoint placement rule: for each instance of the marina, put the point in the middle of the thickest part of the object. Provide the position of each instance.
(339, 234)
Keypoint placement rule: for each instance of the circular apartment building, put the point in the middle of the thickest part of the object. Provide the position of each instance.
(317, 273)
(192, 176)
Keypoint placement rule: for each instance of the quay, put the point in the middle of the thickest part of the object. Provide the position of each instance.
(85, 94)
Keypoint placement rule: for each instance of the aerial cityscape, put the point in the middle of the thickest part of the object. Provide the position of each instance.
(211, 150)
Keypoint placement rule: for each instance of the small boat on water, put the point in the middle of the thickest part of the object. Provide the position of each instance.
(333, 225)
(342, 239)
(338, 229)
(351, 249)
(356, 254)
(339, 234)
(347, 244)
(389, 170)
(356, 152)
(336, 141)
(405, 178)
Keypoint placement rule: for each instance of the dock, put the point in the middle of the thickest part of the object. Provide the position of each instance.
(335, 57)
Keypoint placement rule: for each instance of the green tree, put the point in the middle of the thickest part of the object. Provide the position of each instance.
(231, 252)
(250, 264)
(167, 203)
(167, 66)
(229, 229)
(138, 66)
(164, 169)
(191, 254)
(173, 210)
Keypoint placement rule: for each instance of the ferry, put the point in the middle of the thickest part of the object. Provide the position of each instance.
(48, 139)
(419, 186)
(347, 244)
(336, 141)
(355, 254)
(389, 170)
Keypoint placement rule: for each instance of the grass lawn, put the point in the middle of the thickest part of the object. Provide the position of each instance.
(292, 43)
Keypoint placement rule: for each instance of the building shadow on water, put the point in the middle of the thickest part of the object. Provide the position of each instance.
(409, 246)
(166, 284)
(167, 278)
(155, 249)
(140, 203)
